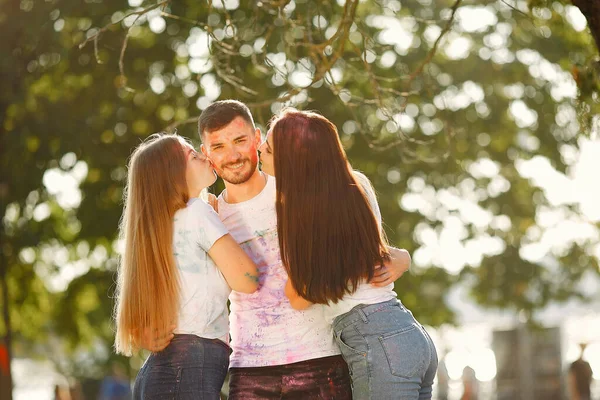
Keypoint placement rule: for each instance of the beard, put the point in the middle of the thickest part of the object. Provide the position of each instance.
(240, 175)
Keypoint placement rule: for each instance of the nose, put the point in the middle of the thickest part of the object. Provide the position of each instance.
(234, 156)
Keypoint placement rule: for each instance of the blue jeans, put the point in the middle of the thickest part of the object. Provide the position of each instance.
(190, 367)
(389, 354)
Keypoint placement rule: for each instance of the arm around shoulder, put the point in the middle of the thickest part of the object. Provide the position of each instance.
(237, 267)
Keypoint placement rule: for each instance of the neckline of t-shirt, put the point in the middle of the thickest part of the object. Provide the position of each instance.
(249, 201)
(192, 200)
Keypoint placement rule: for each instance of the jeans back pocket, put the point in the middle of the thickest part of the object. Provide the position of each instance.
(407, 351)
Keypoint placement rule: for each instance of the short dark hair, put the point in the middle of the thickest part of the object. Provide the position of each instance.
(221, 113)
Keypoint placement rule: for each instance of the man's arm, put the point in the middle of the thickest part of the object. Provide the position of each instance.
(392, 270)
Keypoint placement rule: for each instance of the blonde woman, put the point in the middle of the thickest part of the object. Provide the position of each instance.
(177, 270)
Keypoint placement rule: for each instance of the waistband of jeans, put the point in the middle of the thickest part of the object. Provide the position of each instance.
(362, 311)
(185, 340)
(313, 363)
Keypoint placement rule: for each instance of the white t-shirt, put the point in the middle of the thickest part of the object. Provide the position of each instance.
(365, 293)
(204, 291)
(265, 329)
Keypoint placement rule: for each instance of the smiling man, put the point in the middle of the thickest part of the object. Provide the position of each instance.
(276, 349)
(278, 352)
(233, 148)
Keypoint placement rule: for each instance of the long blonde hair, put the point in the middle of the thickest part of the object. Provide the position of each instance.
(148, 284)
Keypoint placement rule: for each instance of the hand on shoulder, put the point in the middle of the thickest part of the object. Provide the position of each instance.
(213, 201)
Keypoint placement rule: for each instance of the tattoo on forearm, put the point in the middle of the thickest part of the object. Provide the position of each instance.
(254, 278)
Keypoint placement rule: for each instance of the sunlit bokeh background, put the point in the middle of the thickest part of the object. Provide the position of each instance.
(496, 166)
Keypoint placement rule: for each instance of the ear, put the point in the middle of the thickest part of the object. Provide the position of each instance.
(257, 136)
(203, 150)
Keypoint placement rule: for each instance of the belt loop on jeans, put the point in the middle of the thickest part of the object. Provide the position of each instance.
(363, 316)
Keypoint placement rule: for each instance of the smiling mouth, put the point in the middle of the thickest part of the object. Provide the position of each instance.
(235, 166)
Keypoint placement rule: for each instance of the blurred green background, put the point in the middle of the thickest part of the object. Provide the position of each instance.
(471, 118)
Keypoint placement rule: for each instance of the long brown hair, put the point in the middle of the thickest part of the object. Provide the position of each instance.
(148, 284)
(328, 235)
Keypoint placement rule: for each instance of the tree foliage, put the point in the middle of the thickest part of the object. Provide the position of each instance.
(439, 102)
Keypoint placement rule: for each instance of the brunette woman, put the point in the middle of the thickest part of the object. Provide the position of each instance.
(329, 229)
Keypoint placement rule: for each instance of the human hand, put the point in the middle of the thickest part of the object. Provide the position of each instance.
(212, 200)
(392, 270)
(155, 342)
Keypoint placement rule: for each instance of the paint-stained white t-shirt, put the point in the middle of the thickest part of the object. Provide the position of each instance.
(265, 329)
(204, 291)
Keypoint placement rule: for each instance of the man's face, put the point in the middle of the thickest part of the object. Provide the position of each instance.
(233, 150)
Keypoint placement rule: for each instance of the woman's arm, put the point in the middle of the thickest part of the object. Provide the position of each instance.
(239, 270)
(296, 301)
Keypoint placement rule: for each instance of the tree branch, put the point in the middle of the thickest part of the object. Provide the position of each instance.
(434, 49)
(96, 36)
(106, 27)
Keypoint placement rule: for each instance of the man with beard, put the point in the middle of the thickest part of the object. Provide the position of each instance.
(278, 352)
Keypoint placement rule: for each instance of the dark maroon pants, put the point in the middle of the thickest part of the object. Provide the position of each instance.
(324, 378)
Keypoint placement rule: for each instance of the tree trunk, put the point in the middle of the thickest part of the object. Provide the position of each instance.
(591, 10)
